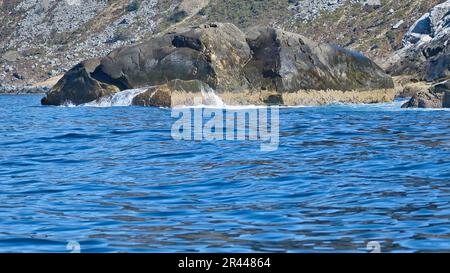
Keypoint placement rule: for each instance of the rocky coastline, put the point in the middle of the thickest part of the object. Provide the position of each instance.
(264, 63)
(23, 89)
(180, 59)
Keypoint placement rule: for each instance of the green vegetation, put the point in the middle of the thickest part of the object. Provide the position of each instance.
(366, 30)
(33, 52)
(247, 13)
(122, 34)
(178, 16)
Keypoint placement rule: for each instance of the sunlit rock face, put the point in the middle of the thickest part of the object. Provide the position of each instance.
(426, 51)
(219, 56)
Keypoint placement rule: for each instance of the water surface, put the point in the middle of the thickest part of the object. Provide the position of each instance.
(114, 180)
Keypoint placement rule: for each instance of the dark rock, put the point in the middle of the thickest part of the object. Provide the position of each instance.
(422, 26)
(78, 86)
(212, 55)
(178, 16)
(133, 6)
(373, 47)
(275, 99)
(424, 99)
(430, 69)
(438, 61)
(446, 99)
(222, 57)
(288, 62)
(18, 76)
(441, 87)
(159, 96)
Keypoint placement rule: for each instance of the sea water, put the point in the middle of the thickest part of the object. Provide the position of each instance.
(112, 179)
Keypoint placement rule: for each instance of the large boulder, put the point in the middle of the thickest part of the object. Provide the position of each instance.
(79, 86)
(214, 54)
(425, 99)
(288, 62)
(436, 96)
(222, 57)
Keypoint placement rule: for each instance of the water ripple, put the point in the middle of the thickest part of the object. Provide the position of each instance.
(114, 180)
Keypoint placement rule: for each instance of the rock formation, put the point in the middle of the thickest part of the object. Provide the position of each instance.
(261, 63)
(42, 39)
(426, 54)
(437, 96)
(424, 99)
(426, 51)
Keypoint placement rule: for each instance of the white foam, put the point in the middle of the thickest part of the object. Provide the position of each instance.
(68, 103)
(213, 101)
(123, 98)
(210, 98)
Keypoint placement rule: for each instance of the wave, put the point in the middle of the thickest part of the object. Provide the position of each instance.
(396, 105)
(123, 98)
(209, 99)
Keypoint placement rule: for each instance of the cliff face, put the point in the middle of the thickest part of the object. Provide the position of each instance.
(44, 38)
(426, 56)
(426, 51)
(374, 27)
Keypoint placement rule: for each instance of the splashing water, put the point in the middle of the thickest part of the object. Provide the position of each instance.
(123, 98)
(210, 98)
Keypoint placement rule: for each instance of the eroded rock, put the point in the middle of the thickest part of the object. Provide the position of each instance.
(223, 58)
(441, 87)
(78, 86)
(174, 93)
(426, 51)
(289, 62)
(425, 99)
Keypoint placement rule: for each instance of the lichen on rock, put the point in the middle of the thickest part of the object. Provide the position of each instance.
(264, 60)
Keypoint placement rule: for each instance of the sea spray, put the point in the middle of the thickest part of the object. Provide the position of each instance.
(123, 98)
(210, 98)
(205, 98)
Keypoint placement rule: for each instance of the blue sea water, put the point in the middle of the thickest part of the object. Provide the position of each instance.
(114, 180)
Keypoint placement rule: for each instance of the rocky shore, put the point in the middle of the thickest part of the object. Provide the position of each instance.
(265, 63)
(36, 88)
(437, 96)
(23, 89)
(426, 57)
(155, 44)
